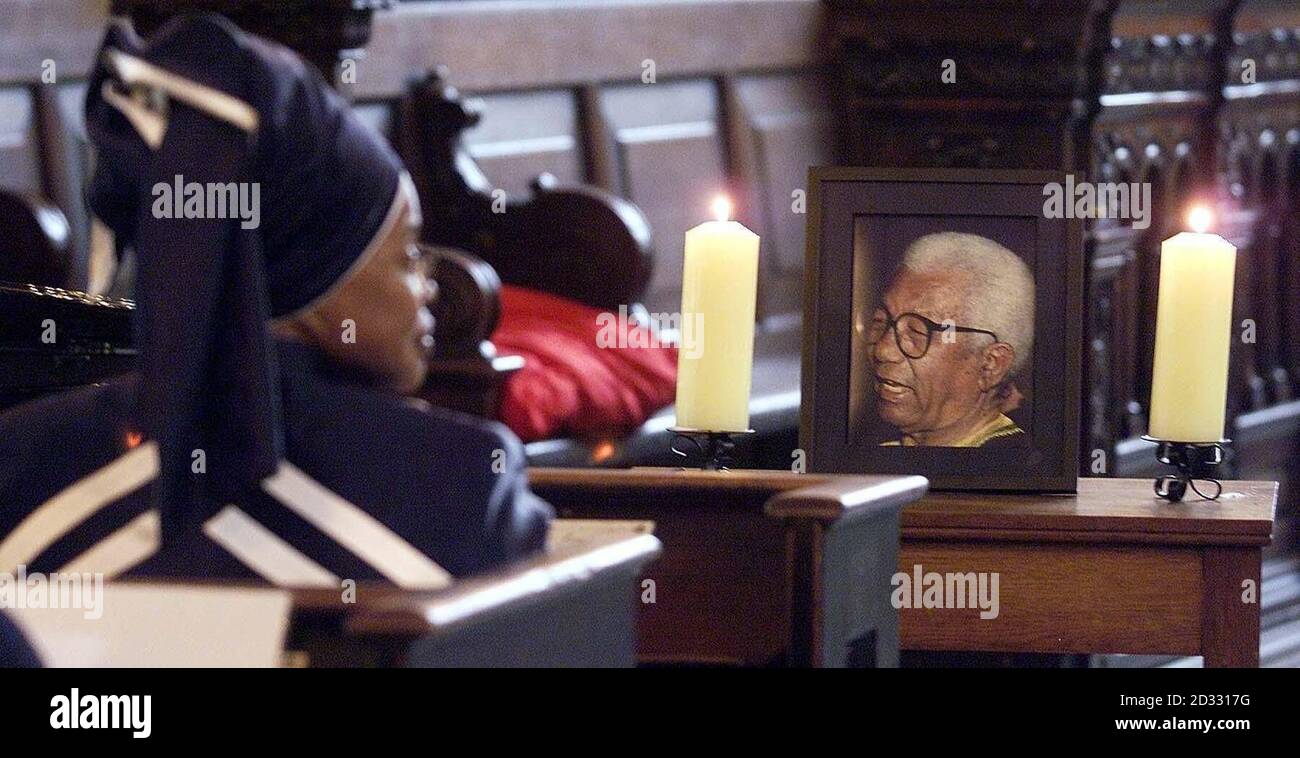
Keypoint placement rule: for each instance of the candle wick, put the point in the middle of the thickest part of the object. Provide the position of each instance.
(722, 208)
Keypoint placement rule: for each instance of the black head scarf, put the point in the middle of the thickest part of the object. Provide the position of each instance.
(221, 106)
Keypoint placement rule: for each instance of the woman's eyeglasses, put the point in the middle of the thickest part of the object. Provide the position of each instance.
(423, 259)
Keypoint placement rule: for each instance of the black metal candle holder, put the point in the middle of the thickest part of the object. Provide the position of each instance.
(1194, 462)
(712, 449)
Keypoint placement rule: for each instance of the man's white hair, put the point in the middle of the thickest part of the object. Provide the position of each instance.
(1001, 296)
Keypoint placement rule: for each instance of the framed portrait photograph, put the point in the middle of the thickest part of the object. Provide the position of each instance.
(942, 316)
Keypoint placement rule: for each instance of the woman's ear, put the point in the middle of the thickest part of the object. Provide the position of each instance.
(995, 365)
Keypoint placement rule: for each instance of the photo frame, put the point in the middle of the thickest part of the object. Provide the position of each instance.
(909, 276)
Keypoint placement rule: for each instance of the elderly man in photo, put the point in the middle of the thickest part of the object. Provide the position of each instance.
(954, 327)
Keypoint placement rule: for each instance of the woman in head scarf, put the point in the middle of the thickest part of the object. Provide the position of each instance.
(282, 314)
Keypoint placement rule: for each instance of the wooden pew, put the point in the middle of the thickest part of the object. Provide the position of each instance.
(759, 567)
(1109, 570)
(572, 606)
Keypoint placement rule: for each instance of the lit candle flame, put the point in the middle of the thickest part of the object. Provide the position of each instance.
(1200, 218)
(722, 207)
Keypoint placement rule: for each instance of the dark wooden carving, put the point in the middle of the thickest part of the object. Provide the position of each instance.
(1184, 62)
(466, 373)
(926, 84)
(1261, 137)
(579, 242)
(1272, 51)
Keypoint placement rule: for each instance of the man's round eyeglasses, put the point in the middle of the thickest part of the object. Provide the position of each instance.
(913, 332)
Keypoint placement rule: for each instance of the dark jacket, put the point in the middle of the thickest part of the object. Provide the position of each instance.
(453, 487)
(15, 652)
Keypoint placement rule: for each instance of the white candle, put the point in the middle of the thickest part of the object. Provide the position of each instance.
(1189, 379)
(716, 357)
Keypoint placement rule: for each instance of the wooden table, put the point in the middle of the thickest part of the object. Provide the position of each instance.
(759, 567)
(1112, 569)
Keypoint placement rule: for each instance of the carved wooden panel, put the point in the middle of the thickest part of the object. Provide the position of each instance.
(1260, 134)
(1291, 255)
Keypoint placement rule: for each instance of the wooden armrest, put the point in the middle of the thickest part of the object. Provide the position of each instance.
(467, 305)
(780, 494)
(578, 552)
(466, 373)
(744, 487)
(848, 498)
(573, 604)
